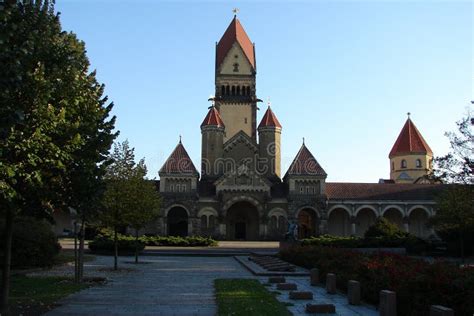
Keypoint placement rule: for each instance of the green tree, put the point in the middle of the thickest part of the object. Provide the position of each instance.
(455, 213)
(144, 202)
(46, 128)
(130, 200)
(455, 206)
(458, 165)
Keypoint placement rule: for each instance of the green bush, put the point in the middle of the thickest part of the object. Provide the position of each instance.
(189, 241)
(34, 243)
(418, 283)
(384, 228)
(412, 244)
(104, 243)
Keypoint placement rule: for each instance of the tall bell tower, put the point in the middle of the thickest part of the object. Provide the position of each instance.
(236, 70)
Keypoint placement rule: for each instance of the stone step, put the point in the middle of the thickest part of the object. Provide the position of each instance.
(301, 295)
(276, 280)
(320, 308)
(287, 286)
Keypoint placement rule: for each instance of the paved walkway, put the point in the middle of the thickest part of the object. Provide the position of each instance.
(161, 286)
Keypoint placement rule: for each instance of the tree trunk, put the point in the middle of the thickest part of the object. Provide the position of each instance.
(76, 258)
(136, 245)
(81, 251)
(115, 249)
(7, 254)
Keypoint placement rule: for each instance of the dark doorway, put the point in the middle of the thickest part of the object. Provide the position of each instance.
(242, 222)
(308, 223)
(177, 222)
(240, 231)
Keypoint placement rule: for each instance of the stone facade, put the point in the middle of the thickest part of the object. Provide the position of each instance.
(241, 194)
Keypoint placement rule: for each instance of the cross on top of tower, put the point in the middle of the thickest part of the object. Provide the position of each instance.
(268, 102)
(235, 11)
(408, 114)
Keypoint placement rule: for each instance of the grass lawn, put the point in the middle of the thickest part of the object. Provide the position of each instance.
(66, 256)
(36, 295)
(246, 297)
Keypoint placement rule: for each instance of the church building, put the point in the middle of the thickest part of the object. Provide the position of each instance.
(241, 193)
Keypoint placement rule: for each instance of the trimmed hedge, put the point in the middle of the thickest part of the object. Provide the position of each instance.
(189, 241)
(104, 242)
(34, 243)
(412, 244)
(418, 284)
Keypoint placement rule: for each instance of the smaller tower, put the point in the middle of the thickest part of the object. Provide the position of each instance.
(410, 158)
(212, 131)
(269, 136)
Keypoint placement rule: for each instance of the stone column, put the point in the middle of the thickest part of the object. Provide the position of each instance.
(353, 226)
(165, 226)
(388, 303)
(406, 224)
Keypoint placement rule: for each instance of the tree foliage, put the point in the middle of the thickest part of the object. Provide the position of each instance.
(54, 125)
(130, 199)
(458, 165)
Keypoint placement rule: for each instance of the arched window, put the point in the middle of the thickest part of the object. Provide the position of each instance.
(248, 90)
(236, 67)
(418, 163)
(227, 90)
(404, 163)
(222, 90)
(172, 188)
(233, 90)
(238, 90)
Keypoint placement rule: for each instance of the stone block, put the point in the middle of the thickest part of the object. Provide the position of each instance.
(276, 280)
(301, 295)
(287, 286)
(331, 283)
(353, 292)
(438, 310)
(320, 308)
(388, 303)
(314, 276)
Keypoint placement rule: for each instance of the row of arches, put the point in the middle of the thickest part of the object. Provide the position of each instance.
(227, 90)
(242, 221)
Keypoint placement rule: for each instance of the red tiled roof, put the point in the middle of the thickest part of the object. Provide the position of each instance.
(410, 141)
(305, 164)
(213, 118)
(382, 191)
(178, 162)
(235, 33)
(269, 119)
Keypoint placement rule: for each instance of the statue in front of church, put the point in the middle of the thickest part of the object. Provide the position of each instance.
(292, 233)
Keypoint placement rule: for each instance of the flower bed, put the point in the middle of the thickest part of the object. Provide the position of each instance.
(418, 284)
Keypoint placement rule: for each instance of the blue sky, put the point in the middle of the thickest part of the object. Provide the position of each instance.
(342, 74)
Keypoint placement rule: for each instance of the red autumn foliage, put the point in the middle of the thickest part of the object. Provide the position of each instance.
(418, 283)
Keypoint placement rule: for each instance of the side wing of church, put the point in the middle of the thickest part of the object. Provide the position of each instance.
(241, 193)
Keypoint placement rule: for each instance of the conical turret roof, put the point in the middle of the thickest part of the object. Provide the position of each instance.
(269, 119)
(410, 141)
(213, 118)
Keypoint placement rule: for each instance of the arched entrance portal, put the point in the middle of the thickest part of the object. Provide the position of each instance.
(177, 222)
(242, 221)
(308, 223)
